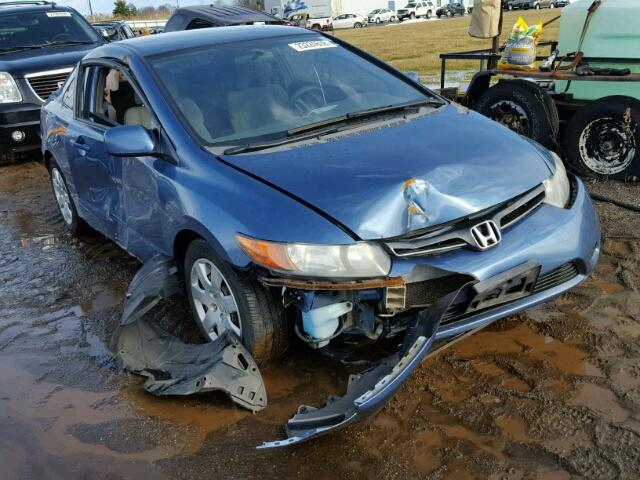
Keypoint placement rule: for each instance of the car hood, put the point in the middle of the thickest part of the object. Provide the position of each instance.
(42, 59)
(386, 182)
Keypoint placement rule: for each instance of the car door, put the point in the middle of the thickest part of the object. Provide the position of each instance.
(96, 174)
(339, 21)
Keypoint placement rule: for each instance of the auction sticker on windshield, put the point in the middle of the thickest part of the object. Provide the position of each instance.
(312, 45)
(58, 14)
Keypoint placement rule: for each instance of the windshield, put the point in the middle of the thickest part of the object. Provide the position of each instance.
(374, 12)
(232, 94)
(410, 5)
(34, 29)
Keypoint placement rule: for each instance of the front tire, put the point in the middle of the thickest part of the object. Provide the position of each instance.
(220, 300)
(428, 15)
(412, 16)
(66, 207)
(357, 25)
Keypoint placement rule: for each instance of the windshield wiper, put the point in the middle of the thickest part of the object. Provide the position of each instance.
(397, 107)
(331, 125)
(289, 138)
(17, 48)
(67, 42)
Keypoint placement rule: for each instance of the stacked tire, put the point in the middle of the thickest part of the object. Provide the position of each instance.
(523, 107)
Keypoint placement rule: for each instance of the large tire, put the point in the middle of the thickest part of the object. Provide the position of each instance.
(603, 138)
(412, 16)
(265, 327)
(522, 107)
(429, 14)
(66, 206)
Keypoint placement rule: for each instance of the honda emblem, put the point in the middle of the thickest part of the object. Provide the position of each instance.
(486, 234)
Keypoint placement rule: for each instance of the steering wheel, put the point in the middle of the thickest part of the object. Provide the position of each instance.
(306, 99)
(61, 37)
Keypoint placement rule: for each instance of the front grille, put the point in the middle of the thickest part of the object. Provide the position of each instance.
(45, 83)
(560, 275)
(556, 277)
(457, 234)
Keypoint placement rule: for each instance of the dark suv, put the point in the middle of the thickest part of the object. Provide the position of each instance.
(451, 10)
(40, 43)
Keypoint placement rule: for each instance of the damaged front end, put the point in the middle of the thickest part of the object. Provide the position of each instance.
(370, 390)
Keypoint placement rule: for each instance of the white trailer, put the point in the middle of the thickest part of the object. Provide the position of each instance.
(326, 8)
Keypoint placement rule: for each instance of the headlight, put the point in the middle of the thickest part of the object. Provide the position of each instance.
(9, 92)
(357, 260)
(557, 186)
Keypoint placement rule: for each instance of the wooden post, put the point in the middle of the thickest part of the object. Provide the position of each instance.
(495, 45)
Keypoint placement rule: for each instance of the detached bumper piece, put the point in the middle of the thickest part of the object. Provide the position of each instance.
(369, 391)
(171, 366)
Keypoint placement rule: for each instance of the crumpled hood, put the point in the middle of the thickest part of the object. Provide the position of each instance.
(386, 182)
(27, 61)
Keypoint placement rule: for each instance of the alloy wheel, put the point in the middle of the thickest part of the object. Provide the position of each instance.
(62, 195)
(215, 306)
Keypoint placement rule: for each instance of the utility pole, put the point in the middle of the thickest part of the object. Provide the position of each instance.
(90, 9)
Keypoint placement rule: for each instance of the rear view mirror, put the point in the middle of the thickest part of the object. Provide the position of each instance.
(413, 76)
(130, 141)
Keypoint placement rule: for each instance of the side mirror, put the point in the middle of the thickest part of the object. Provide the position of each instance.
(130, 141)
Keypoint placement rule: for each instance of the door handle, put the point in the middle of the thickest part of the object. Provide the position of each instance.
(81, 145)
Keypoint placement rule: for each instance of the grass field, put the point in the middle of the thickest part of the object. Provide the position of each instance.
(417, 46)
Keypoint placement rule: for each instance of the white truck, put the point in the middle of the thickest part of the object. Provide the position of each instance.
(416, 9)
(318, 13)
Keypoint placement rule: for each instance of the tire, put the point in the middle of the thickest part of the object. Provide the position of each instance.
(439, 15)
(316, 26)
(264, 327)
(603, 138)
(392, 19)
(429, 14)
(521, 108)
(412, 16)
(357, 25)
(66, 206)
(378, 20)
(510, 8)
(538, 6)
(549, 105)
(449, 14)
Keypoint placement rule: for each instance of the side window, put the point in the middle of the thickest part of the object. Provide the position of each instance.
(69, 90)
(112, 100)
(198, 23)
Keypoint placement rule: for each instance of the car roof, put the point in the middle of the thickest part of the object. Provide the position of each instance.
(31, 6)
(168, 42)
(226, 15)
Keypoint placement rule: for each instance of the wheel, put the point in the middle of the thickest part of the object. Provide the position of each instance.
(316, 26)
(392, 19)
(549, 105)
(521, 108)
(222, 300)
(439, 15)
(378, 20)
(603, 138)
(357, 25)
(537, 6)
(65, 203)
(510, 8)
(449, 14)
(412, 15)
(429, 14)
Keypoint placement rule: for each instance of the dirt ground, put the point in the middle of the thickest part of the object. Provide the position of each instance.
(550, 393)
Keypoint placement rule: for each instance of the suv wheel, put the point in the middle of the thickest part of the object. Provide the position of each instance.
(412, 15)
(222, 300)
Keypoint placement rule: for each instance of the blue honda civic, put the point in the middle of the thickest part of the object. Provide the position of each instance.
(307, 188)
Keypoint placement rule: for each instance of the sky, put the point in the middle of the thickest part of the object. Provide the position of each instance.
(106, 6)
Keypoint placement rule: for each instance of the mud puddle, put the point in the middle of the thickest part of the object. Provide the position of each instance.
(552, 393)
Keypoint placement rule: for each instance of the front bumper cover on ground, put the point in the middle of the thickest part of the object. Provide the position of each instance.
(171, 366)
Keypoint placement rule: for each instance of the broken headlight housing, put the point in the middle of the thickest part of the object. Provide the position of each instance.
(557, 187)
(9, 92)
(357, 260)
